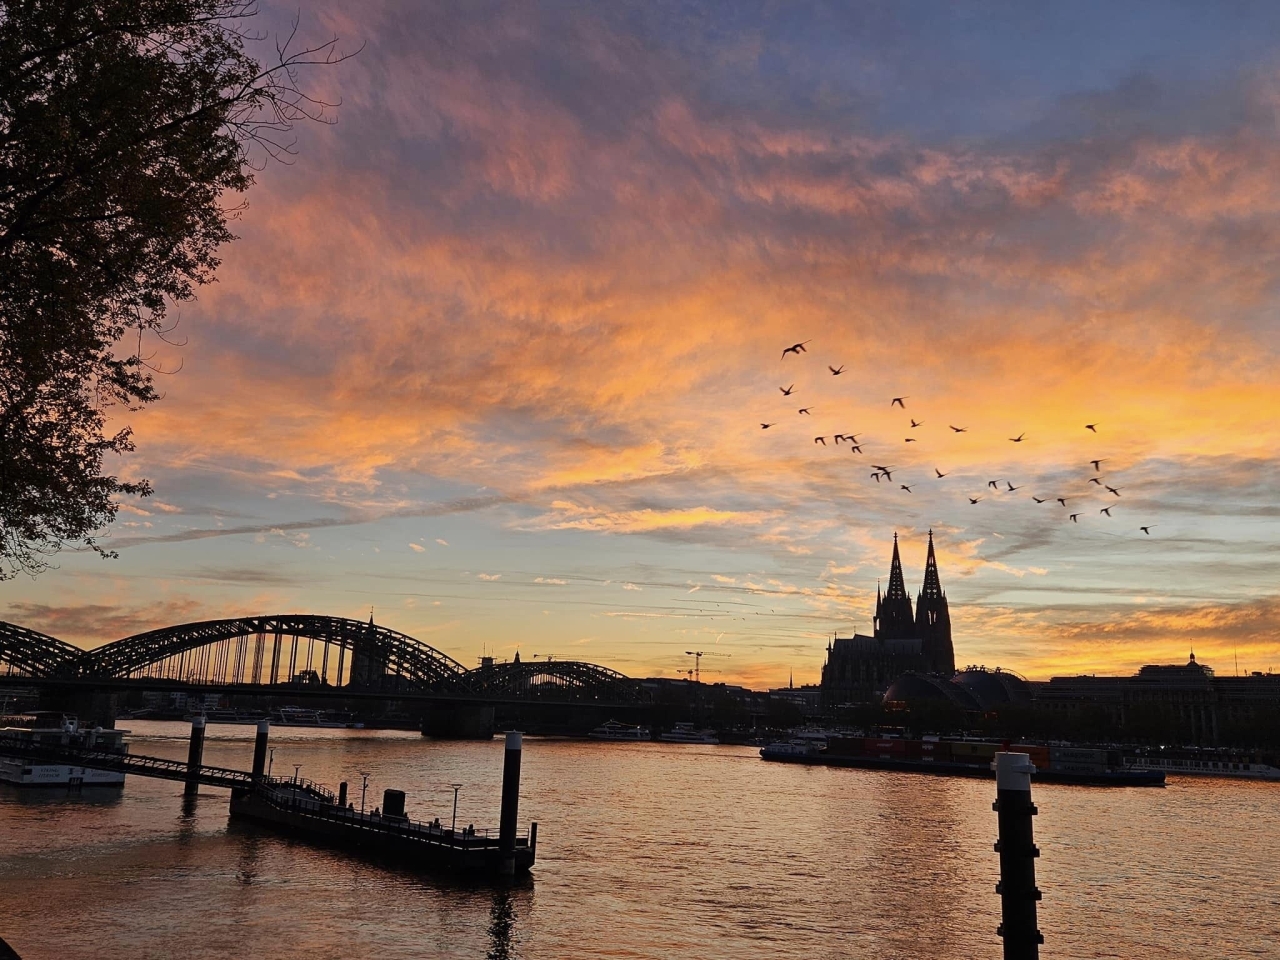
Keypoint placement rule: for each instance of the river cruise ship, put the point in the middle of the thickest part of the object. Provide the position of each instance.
(613, 730)
(62, 730)
(1206, 763)
(688, 733)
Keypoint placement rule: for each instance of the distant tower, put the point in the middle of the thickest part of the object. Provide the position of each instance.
(894, 620)
(933, 619)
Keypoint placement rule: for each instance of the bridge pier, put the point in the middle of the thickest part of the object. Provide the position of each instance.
(458, 721)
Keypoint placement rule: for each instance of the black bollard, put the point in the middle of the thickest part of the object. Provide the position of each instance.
(510, 803)
(342, 795)
(194, 755)
(1017, 849)
(260, 749)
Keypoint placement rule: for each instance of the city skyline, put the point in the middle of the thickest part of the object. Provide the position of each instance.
(492, 354)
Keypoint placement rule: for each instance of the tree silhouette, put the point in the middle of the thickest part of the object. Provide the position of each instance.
(124, 127)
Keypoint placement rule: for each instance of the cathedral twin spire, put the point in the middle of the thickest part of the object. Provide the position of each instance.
(931, 621)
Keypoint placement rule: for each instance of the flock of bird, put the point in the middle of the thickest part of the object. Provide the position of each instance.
(884, 472)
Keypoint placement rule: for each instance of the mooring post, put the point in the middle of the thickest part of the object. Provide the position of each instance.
(194, 755)
(510, 803)
(342, 795)
(260, 749)
(1017, 849)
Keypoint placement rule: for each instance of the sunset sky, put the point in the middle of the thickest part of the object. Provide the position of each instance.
(492, 355)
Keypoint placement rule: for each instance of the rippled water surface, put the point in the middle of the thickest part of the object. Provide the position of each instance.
(644, 850)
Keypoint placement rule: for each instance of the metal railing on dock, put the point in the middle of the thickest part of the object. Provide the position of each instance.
(281, 796)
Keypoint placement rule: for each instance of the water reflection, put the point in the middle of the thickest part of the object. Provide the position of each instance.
(247, 862)
(502, 918)
(60, 796)
(501, 921)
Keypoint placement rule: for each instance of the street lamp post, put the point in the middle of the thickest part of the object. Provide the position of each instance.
(364, 783)
(296, 768)
(271, 759)
(454, 826)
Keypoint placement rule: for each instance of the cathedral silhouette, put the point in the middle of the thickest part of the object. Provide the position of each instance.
(860, 668)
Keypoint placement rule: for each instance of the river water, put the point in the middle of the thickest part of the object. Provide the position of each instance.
(644, 850)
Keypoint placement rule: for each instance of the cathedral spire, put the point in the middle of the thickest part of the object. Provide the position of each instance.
(894, 620)
(897, 588)
(933, 619)
(932, 589)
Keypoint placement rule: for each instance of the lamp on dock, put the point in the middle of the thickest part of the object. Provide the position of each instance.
(364, 785)
(454, 825)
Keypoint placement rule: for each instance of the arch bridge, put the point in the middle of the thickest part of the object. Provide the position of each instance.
(318, 653)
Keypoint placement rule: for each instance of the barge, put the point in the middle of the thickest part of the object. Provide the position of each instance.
(309, 811)
(969, 758)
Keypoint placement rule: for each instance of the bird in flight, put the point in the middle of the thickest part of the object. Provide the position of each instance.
(1096, 463)
(959, 429)
(797, 349)
(766, 426)
(888, 474)
(876, 476)
(1106, 510)
(821, 440)
(903, 486)
(916, 423)
(975, 499)
(1091, 426)
(909, 440)
(836, 371)
(1147, 530)
(898, 401)
(806, 410)
(1011, 486)
(855, 448)
(1037, 499)
(939, 473)
(851, 437)
(1112, 490)
(993, 484)
(1063, 500)
(1075, 518)
(786, 391)
(1097, 480)
(1018, 439)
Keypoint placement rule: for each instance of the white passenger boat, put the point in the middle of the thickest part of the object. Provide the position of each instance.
(56, 729)
(688, 733)
(306, 717)
(613, 730)
(1206, 764)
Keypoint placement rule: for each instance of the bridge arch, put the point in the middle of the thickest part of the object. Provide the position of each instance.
(26, 653)
(284, 649)
(553, 679)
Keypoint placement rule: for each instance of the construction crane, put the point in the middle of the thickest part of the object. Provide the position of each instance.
(697, 661)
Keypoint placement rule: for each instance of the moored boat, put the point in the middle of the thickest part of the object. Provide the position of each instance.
(798, 750)
(1206, 763)
(973, 758)
(688, 733)
(59, 730)
(613, 730)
